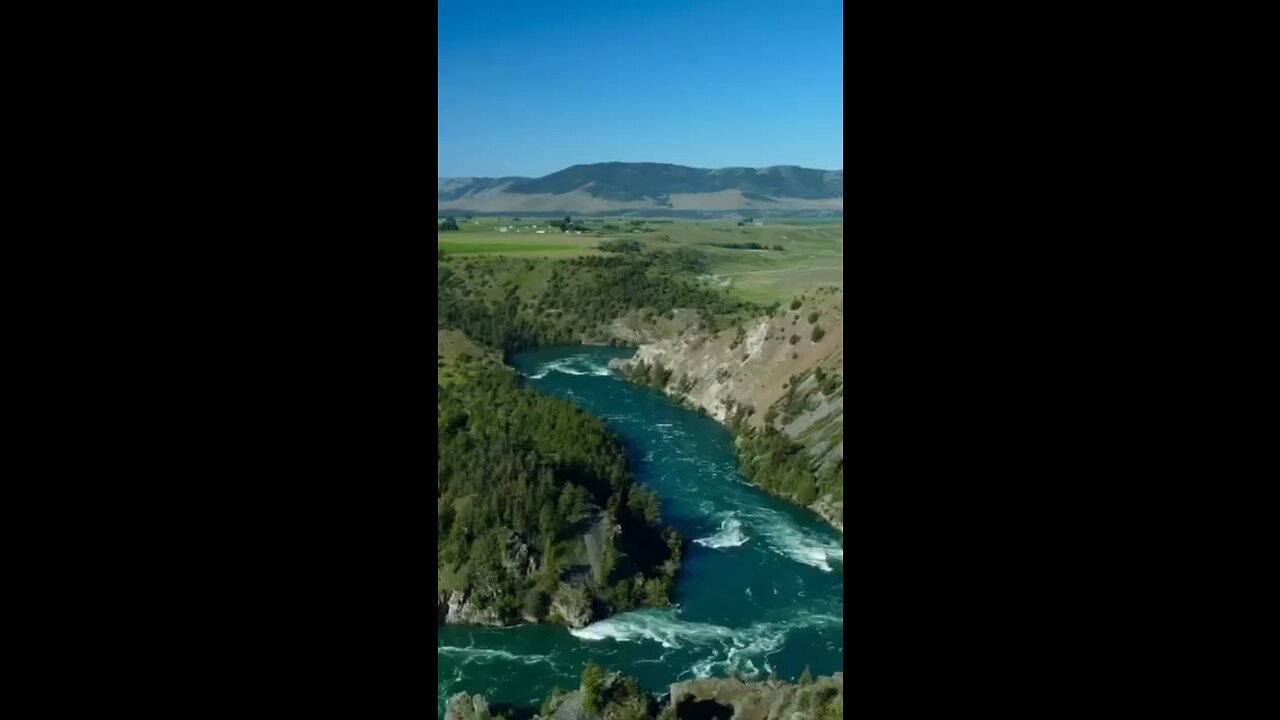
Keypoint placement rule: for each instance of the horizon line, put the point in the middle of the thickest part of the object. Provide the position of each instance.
(643, 162)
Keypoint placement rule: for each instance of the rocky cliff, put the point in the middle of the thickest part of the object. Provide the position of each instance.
(571, 602)
(781, 374)
(767, 700)
(721, 698)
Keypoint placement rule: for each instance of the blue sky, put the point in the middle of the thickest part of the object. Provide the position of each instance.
(533, 86)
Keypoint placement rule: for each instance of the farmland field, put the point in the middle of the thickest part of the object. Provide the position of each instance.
(480, 247)
(798, 255)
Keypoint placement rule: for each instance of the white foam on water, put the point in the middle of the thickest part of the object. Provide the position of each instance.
(478, 654)
(573, 365)
(444, 690)
(730, 535)
(657, 661)
(659, 626)
(748, 645)
(663, 626)
(711, 666)
(785, 538)
(566, 367)
(703, 668)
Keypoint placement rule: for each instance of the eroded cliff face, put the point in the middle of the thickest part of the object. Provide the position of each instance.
(784, 371)
(571, 603)
(761, 700)
(820, 699)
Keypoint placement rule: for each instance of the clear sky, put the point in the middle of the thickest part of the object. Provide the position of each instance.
(528, 87)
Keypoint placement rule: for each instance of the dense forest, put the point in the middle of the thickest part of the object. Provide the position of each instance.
(511, 304)
(538, 516)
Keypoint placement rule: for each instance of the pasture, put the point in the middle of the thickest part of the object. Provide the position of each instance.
(800, 255)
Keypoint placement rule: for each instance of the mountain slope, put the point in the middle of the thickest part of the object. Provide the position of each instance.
(616, 186)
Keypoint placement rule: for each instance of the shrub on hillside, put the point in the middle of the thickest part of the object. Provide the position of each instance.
(620, 246)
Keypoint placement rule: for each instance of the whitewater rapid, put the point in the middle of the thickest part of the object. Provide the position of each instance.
(760, 590)
(581, 364)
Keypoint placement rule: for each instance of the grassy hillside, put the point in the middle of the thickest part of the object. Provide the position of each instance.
(509, 303)
(611, 187)
(801, 254)
(636, 181)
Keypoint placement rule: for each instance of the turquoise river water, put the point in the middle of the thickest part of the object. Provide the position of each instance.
(762, 584)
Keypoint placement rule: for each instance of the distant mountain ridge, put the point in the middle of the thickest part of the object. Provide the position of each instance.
(637, 187)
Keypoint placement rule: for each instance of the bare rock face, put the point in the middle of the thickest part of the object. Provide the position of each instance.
(748, 371)
(467, 707)
(771, 700)
(751, 367)
(573, 605)
(831, 510)
(516, 557)
(635, 328)
(463, 612)
(568, 707)
(594, 540)
(720, 698)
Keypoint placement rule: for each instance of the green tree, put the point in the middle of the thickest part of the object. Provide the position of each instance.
(805, 493)
(536, 603)
(547, 525)
(592, 685)
(817, 333)
(796, 303)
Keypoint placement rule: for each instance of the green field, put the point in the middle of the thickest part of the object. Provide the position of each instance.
(482, 237)
(481, 247)
(811, 255)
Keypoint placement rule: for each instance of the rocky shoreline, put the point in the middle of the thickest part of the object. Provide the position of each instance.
(741, 376)
(726, 698)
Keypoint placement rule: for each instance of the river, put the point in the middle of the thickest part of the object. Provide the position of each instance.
(762, 584)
